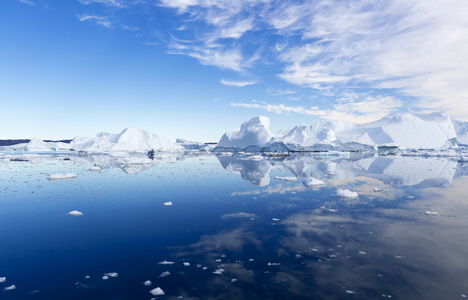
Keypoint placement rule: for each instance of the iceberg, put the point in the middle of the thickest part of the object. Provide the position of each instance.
(130, 139)
(399, 131)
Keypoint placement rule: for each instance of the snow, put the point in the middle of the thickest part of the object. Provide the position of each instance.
(346, 194)
(130, 139)
(404, 131)
(75, 213)
(312, 182)
(157, 292)
(59, 176)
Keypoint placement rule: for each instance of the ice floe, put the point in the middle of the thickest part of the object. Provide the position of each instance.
(9, 288)
(164, 274)
(431, 213)
(169, 203)
(288, 178)
(75, 213)
(59, 176)
(147, 283)
(2, 279)
(218, 271)
(346, 194)
(238, 215)
(165, 262)
(157, 292)
(112, 274)
(311, 181)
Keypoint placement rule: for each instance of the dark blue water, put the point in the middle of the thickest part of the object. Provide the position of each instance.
(233, 230)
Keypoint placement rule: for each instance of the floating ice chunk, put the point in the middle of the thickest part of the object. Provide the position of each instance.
(165, 262)
(410, 197)
(168, 203)
(75, 213)
(164, 274)
(346, 194)
(187, 264)
(275, 219)
(350, 292)
(87, 277)
(431, 213)
(362, 252)
(105, 277)
(9, 288)
(234, 280)
(288, 178)
(239, 215)
(311, 181)
(147, 283)
(377, 190)
(2, 279)
(112, 274)
(59, 176)
(218, 271)
(274, 264)
(463, 296)
(157, 292)
(95, 169)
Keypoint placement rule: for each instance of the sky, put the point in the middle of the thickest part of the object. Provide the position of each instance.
(195, 69)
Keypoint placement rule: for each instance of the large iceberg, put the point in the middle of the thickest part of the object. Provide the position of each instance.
(130, 139)
(404, 131)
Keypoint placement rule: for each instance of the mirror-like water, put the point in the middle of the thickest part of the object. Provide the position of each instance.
(233, 227)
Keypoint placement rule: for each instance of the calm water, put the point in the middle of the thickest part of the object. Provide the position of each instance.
(233, 230)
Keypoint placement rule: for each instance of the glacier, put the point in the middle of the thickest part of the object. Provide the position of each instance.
(434, 131)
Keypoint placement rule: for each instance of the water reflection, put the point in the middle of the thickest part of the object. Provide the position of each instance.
(391, 170)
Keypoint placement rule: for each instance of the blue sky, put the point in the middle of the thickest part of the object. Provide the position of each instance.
(198, 68)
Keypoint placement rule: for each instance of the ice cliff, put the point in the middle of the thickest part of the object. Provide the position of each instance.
(405, 131)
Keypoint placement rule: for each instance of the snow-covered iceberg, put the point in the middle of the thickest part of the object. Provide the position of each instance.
(130, 139)
(403, 131)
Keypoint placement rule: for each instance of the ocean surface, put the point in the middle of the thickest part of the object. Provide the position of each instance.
(233, 227)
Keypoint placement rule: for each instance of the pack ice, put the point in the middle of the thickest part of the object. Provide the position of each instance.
(405, 131)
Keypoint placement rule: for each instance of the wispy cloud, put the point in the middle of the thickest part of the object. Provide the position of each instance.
(27, 2)
(237, 83)
(282, 108)
(103, 21)
(113, 3)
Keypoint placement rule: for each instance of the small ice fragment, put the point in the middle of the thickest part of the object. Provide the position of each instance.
(274, 264)
(147, 283)
(112, 274)
(157, 292)
(431, 213)
(204, 268)
(275, 219)
(186, 264)
(168, 203)
(164, 274)
(463, 296)
(399, 256)
(75, 213)
(61, 176)
(9, 288)
(315, 250)
(346, 194)
(95, 169)
(289, 178)
(87, 277)
(234, 280)
(218, 271)
(377, 190)
(105, 277)
(2, 279)
(362, 252)
(409, 197)
(165, 262)
(251, 259)
(218, 260)
(350, 292)
(311, 181)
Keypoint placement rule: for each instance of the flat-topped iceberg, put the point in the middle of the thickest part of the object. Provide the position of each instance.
(130, 139)
(401, 131)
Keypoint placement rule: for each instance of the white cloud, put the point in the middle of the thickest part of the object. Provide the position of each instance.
(97, 19)
(282, 108)
(114, 3)
(237, 83)
(27, 2)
